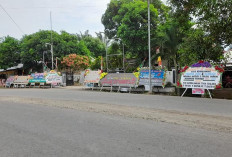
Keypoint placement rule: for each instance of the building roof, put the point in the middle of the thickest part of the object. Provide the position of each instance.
(19, 66)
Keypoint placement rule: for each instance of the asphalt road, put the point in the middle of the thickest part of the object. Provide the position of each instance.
(185, 104)
(30, 130)
(40, 131)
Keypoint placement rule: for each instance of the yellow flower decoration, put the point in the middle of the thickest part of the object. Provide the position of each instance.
(103, 75)
(136, 74)
(159, 59)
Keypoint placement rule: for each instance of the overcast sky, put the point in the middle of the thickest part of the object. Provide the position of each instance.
(30, 16)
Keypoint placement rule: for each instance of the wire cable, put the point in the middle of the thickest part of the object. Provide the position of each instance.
(41, 7)
(12, 19)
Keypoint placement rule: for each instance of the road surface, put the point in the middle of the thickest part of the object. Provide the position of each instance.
(71, 122)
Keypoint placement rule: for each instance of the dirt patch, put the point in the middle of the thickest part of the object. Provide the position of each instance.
(209, 122)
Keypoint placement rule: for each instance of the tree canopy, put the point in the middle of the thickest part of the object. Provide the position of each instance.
(213, 16)
(9, 52)
(31, 49)
(128, 20)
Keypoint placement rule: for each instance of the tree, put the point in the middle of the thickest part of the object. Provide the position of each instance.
(115, 56)
(197, 45)
(75, 62)
(213, 16)
(82, 49)
(33, 46)
(9, 52)
(96, 64)
(133, 29)
(169, 37)
(68, 44)
(127, 20)
(112, 24)
(95, 45)
(81, 36)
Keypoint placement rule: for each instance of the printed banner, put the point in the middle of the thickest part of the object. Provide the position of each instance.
(10, 81)
(21, 80)
(200, 77)
(119, 79)
(2, 82)
(157, 77)
(37, 78)
(198, 91)
(53, 78)
(92, 77)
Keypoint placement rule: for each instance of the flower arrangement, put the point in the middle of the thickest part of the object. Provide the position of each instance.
(164, 79)
(205, 64)
(86, 72)
(45, 74)
(201, 63)
(99, 72)
(178, 84)
(218, 86)
(136, 74)
(219, 68)
(184, 69)
(103, 75)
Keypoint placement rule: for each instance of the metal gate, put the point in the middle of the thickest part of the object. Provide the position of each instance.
(69, 79)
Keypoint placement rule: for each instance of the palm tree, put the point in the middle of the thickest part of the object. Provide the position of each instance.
(169, 40)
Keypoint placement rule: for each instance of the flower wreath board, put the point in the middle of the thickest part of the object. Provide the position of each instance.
(158, 78)
(200, 76)
(120, 80)
(91, 78)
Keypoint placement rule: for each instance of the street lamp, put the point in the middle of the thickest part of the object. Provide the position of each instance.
(51, 53)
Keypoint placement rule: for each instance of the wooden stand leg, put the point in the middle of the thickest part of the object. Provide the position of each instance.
(184, 92)
(209, 93)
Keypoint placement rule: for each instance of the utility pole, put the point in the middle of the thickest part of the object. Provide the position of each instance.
(123, 53)
(105, 41)
(43, 62)
(51, 53)
(51, 44)
(52, 57)
(149, 45)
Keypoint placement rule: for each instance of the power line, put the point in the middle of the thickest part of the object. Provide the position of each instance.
(12, 19)
(83, 6)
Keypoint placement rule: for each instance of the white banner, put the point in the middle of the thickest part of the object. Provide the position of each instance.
(92, 77)
(200, 77)
(53, 78)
